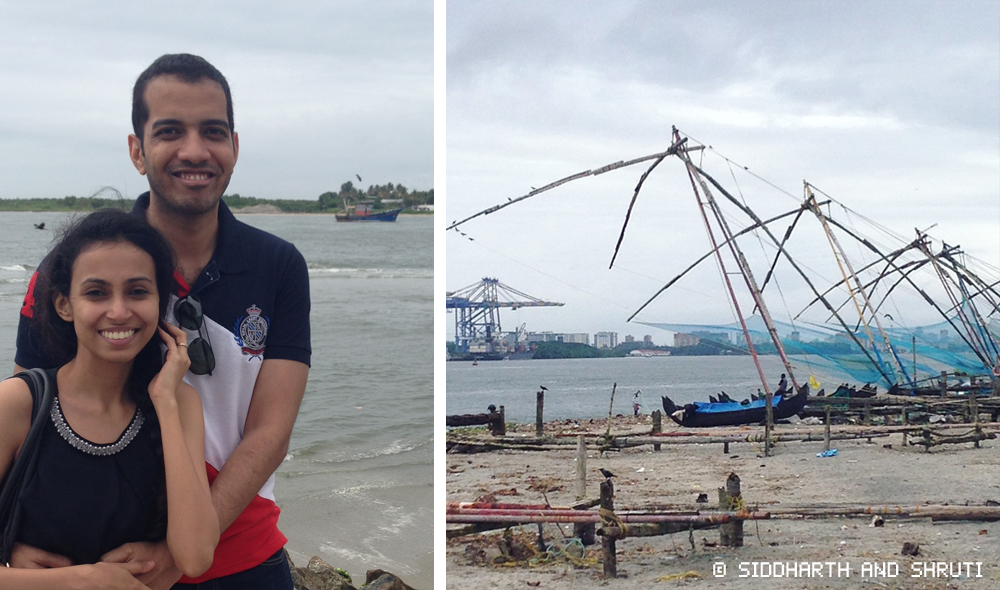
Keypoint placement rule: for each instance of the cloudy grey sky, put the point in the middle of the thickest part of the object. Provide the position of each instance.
(321, 90)
(891, 108)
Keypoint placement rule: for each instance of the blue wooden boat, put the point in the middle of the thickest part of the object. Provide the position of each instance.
(708, 414)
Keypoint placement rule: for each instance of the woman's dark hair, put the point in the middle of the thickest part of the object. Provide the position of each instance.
(108, 226)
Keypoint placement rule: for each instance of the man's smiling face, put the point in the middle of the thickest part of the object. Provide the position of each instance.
(187, 151)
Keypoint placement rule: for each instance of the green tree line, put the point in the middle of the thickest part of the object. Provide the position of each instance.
(387, 196)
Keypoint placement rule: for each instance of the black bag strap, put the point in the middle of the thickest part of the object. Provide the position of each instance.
(42, 388)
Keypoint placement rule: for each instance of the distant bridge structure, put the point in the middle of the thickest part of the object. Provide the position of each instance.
(477, 313)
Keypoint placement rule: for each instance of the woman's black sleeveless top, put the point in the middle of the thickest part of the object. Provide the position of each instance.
(85, 499)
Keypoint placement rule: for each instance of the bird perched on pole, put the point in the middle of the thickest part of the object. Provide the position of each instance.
(607, 474)
(543, 388)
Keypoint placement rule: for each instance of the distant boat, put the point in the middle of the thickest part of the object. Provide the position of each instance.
(363, 212)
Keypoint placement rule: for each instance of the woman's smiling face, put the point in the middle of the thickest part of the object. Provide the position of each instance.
(113, 302)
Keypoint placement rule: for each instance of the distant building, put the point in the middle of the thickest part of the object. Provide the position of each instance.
(644, 352)
(681, 340)
(725, 338)
(605, 339)
(423, 207)
(575, 337)
(630, 338)
(647, 340)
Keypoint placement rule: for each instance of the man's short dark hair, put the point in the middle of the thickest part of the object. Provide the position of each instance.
(187, 67)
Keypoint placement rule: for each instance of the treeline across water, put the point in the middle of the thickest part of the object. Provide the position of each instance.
(567, 350)
(387, 196)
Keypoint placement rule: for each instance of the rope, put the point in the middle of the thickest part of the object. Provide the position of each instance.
(689, 575)
(570, 550)
(608, 517)
(737, 504)
(754, 439)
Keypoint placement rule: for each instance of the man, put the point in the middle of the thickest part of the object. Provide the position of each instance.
(254, 297)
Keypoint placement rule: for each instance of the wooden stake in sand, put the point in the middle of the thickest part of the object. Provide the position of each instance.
(611, 409)
(539, 404)
(826, 431)
(607, 516)
(582, 531)
(768, 423)
(657, 427)
(906, 420)
(730, 498)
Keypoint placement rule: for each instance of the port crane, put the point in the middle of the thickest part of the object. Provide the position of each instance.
(477, 313)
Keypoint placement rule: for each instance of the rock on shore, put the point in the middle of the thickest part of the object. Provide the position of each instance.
(320, 575)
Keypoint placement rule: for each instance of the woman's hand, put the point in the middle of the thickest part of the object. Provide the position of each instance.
(175, 364)
(113, 576)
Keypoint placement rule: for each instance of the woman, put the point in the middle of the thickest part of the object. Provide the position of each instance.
(122, 458)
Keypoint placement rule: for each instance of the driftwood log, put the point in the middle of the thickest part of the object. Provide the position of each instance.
(495, 420)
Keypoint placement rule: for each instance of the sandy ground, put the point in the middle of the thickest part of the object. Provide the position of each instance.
(861, 473)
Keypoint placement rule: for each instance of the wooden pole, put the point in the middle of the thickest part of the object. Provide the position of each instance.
(611, 408)
(582, 530)
(657, 426)
(944, 383)
(539, 404)
(906, 421)
(826, 432)
(769, 423)
(974, 405)
(608, 541)
(730, 498)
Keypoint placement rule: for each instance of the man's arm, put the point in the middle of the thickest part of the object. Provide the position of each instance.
(273, 408)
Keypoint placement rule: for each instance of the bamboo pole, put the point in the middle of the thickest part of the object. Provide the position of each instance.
(581, 516)
(637, 441)
(458, 506)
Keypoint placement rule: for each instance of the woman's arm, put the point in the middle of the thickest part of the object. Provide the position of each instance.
(192, 523)
(15, 420)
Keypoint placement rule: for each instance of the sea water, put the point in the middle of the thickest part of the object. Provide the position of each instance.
(582, 388)
(356, 488)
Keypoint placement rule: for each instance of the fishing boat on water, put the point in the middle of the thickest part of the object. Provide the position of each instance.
(363, 212)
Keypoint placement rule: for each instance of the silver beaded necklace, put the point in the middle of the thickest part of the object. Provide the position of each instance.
(82, 444)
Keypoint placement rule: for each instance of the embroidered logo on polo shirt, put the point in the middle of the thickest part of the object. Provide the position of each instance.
(251, 332)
